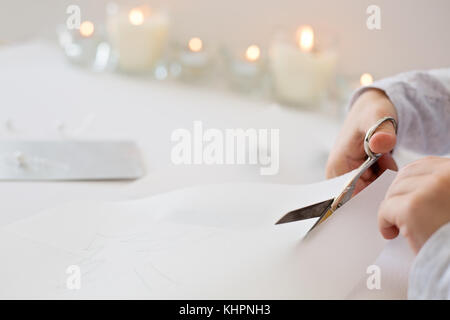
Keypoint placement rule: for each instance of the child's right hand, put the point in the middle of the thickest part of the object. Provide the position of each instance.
(348, 152)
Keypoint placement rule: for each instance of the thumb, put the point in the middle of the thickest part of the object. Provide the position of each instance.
(384, 139)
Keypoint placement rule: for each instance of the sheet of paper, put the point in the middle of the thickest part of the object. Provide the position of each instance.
(394, 264)
(209, 242)
(71, 227)
(267, 262)
(226, 206)
(31, 270)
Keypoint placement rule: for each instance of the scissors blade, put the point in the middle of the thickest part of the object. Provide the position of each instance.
(312, 211)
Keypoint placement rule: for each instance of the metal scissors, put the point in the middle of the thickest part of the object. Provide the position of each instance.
(324, 209)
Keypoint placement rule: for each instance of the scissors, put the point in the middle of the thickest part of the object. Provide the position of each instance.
(324, 209)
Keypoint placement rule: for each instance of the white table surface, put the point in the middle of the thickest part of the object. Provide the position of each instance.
(40, 89)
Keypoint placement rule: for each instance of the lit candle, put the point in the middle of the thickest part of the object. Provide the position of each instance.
(82, 45)
(86, 29)
(136, 16)
(246, 70)
(366, 79)
(195, 44)
(139, 36)
(305, 38)
(194, 59)
(252, 53)
(301, 72)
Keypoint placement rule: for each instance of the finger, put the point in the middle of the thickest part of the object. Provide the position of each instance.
(368, 175)
(361, 184)
(388, 217)
(384, 138)
(416, 168)
(340, 163)
(386, 162)
(404, 186)
(389, 232)
(336, 166)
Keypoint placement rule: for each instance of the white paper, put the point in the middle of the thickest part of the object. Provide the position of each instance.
(204, 242)
(70, 227)
(226, 206)
(269, 262)
(394, 264)
(31, 270)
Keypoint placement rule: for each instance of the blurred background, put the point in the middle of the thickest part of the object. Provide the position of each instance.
(414, 33)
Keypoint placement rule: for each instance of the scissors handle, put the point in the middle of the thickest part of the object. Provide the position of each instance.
(346, 194)
(372, 130)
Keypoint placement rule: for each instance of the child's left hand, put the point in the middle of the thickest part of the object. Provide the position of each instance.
(418, 202)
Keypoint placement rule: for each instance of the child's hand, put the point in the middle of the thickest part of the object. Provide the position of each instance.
(418, 201)
(348, 152)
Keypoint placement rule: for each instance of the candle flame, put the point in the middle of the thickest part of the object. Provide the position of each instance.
(366, 79)
(305, 38)
(252, 53)
(136, 17)
(195, 44)
(86, 29)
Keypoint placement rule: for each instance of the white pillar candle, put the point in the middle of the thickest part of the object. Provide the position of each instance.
(301, 72)
(139, 36)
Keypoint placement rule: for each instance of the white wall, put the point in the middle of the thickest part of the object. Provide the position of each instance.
(415, 33)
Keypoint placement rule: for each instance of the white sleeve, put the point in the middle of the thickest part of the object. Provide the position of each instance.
(443, 75)
(422, 101)
(429, 277)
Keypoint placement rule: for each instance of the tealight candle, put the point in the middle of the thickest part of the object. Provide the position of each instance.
(246, 70)
(194, 60)
(139, 37)
(252, 53)
(195, 45)
(84, 46)
(301, 71)
(87, 29)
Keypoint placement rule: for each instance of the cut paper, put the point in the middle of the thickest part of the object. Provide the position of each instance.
(206, 242)
(241, 205)
(394, 264)
(273, 263)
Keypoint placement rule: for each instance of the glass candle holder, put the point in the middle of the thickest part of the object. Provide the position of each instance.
(245, 68)
(192, 60)
(85, 46)
(302, 68)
